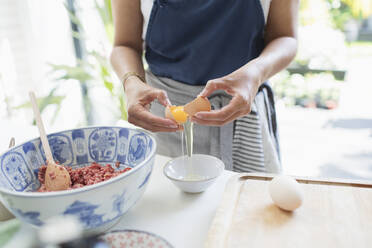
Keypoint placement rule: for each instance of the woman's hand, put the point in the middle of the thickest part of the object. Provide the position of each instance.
(242, 85)
(140, 96)
(127, 56)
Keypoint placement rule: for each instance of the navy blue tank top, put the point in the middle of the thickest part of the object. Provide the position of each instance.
(193, 41)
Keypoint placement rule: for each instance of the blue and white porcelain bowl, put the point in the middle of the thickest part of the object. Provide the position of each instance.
(97, 206)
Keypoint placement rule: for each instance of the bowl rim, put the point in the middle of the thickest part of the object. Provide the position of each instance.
(221, 167)
(32, 194)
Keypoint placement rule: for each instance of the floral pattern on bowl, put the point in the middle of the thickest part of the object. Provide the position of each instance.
(134, 239)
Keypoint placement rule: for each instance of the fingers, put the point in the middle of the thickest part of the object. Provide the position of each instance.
(216, 84)
(139, 116)
(218, 122)
(163, 98)
(160, 95)
(151, 127)
(236, 105)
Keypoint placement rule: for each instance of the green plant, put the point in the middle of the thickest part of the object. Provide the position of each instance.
(314, 12)
(51, 99)
(312, 90)
(105, 75)
(342, 11)
(105, 11)
(95, 66)
(94, 69)
(359, 8)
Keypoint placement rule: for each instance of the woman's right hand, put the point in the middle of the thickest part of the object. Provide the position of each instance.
(140, 96)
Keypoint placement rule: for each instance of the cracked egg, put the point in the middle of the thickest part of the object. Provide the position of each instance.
(181, 113)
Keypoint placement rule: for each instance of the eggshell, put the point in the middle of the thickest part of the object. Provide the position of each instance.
(286, 192)
(168, 113)
(197, 105)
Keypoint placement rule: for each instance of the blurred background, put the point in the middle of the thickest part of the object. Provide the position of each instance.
(60, 48)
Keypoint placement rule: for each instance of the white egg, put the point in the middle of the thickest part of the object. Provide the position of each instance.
(286, 192)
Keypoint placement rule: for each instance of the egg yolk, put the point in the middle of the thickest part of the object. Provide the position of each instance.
(179, 115)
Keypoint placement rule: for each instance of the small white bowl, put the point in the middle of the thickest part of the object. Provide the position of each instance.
(195, 174)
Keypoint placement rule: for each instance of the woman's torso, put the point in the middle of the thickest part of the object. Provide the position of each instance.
(146, 6)
(193, 41)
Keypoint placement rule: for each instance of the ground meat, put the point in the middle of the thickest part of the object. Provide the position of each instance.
(81, 177)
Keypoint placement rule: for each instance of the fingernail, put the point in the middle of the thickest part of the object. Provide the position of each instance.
(173, 126)
(197, 115)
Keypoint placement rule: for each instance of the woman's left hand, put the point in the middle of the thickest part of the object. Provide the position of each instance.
(242, 85)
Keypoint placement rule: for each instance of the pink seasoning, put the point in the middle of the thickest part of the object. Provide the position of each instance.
(87, 175)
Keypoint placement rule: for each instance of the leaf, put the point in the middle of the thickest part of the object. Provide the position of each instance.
(82, 77)
(23, 105)
(108, 5)
(73, 18)
(72, 72)
(77, 35)
(123, 108)
(104, 71)
(109, 86)
(105, 12)
(100, 59)
(360, 8)
(110, 32)
(42, 102)
(45, 101)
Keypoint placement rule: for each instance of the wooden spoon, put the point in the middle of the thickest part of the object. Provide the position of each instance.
(56, 176)
(12, 142)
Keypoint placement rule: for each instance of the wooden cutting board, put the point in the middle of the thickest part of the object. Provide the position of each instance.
(334, 213)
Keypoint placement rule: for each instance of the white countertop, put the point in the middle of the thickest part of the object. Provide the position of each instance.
(182, 219)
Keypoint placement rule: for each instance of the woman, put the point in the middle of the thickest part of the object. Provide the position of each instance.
(225, 50)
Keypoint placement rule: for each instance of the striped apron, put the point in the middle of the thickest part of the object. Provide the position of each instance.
(249, 144)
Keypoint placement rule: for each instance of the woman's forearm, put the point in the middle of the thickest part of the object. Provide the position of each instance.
(280, 38)
(126, 55)
(276, 56)
(127, 59)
